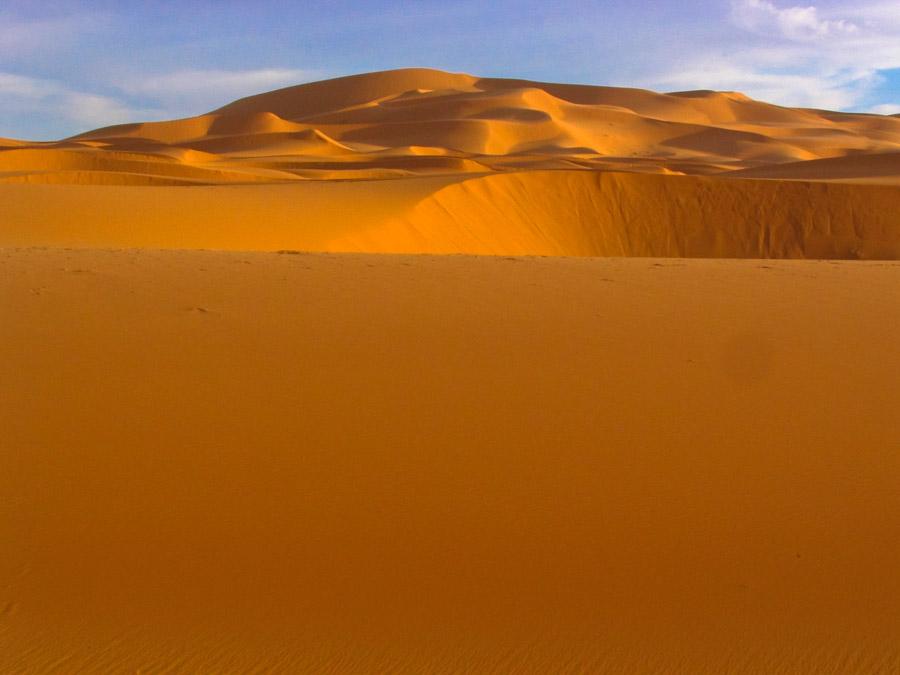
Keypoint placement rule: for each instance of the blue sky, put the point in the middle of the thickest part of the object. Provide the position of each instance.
(68, 66)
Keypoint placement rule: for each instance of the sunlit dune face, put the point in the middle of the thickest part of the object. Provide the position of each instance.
(362, 125)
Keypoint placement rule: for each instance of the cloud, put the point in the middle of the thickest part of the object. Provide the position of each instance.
(794, 23)
(872, 13)
(17, 88)
(225, 82)
(95, 110)
(195, 91)
(790, 89)
(44, 99)
(25, 37)
(59, 78)
(885, 109)
(826, 56)
(139, 98)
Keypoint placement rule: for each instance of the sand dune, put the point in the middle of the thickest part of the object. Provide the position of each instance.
(242, 462)
(874, 168)
(590, 214)
(501, 133)
(484, 117)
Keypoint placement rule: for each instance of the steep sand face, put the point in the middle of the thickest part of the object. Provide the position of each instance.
(242, 462)
(580, 213)
(618, 214)
(401, 126)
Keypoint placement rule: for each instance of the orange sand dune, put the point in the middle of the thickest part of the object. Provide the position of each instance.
(582, 213)
(401, 126)
(481, 118)
(251, 462)
(874, 168)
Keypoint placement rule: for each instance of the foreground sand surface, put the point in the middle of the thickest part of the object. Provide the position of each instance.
(240, 462)
(423, 161)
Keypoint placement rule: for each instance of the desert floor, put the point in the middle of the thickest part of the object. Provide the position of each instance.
(240, 462)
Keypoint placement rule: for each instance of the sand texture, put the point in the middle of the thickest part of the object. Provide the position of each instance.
(253, 462)
(422, 161)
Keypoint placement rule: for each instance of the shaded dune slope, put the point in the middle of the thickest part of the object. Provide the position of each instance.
(877, 168)
(529, 213)
(504, 156)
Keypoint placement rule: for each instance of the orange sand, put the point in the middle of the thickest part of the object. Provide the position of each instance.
(235, 462)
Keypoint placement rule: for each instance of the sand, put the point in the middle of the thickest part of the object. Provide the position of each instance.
(575, 213)
(422, 161)
(225, 462)
(338, 442)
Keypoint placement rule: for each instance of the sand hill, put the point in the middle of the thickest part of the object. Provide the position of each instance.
(439, 162)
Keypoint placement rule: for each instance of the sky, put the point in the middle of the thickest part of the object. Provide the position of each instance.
(70, 65)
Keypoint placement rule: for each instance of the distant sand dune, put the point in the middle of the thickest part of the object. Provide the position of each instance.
(868, 168)
(405, 124)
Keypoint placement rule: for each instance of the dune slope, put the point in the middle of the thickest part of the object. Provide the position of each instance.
(272, 161)
(578, 213)
(234, 462)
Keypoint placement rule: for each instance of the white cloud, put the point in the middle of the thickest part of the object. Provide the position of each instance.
(885, 109)
(13, 87)
(176, 94)
(794, 23)
(191, 92)
(94, 110)
(24, 37)
(884, 13)
(49, 99)
(807, 56)
(797, 90)
(226, 82)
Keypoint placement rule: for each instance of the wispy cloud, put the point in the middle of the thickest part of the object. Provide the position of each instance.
(48, 99)
(796, 55)
(139, 98)
(21, 37)
(794, 23)
(885, 109)
(20, 89)
(794, 89)
(223, 82)
(196, 91)
(96, 110)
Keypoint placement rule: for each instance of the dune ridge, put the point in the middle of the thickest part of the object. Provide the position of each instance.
(500, 124)
(576, 154)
